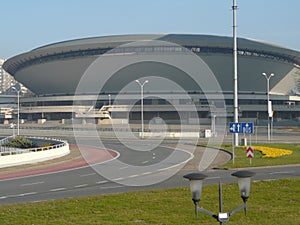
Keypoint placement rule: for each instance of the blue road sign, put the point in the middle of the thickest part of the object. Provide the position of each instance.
(242, 128)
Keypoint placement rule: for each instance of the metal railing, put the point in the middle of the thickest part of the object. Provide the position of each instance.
(4, 150)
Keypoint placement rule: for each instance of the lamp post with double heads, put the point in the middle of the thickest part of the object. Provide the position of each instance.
(18, 121)
(196, 182)
(142, 103)
(269, 110)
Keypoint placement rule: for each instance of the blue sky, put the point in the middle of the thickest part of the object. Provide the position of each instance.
(27, 24)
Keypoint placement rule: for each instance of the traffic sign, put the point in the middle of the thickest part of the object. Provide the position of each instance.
(250, 152)
(243, 128)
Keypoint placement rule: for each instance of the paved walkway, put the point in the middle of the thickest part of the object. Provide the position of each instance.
(218, 158)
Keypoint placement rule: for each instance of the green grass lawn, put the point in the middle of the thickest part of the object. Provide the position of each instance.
(270, 202)
(241, 161)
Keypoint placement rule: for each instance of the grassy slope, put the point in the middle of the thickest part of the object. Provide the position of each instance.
(271, 202)
(241, 161)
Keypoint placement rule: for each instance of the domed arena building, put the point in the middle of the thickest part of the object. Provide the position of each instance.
(55, 73)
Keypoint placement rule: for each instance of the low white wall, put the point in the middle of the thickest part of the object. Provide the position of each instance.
(171, 134)
(33, 157)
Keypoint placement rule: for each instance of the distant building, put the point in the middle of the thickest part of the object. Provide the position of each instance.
(53, 73)
(6, 80)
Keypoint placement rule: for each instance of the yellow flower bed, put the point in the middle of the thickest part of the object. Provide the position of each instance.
(272, 152)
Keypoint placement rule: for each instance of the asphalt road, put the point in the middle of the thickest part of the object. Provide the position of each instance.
(85, 181)
(134, 169)
(91, 180)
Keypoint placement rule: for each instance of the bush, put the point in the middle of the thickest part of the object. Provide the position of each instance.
(20, 142)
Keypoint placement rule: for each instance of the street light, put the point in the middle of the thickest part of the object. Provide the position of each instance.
(269, 106)
(12, 126)
(235, 74)
(196, 182)
(109, 100)
(18, 122)
(142, 103)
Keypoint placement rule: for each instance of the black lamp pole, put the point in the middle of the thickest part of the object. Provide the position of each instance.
(196, 181)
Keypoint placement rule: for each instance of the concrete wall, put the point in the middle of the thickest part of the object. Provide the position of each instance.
(33, 157)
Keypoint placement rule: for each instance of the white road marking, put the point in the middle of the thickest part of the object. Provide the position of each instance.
(162, 169)
(9, 196)
(135, 175)
(284, 172)
(146, 173)
(18, 195)
(211, 178)
(29, 193)
(102, 182)
(110, 187)
(80, 185)
(58, 189)
(145, 161)
(89, 174)
(29, 184)
(121, 168)
(170, 167)
(263, 180)
(120, 178)
(66, 170)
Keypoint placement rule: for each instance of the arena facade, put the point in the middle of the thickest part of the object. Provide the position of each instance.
(54, 74)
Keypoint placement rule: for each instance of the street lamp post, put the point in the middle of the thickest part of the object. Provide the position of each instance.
(142, 103)
(196, 182)
(269, 106)
(235, 74)
(18, 120)
(213, 126)
(12, 126)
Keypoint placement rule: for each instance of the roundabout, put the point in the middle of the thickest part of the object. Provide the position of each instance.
(47, 149)
(72, 176)
(75, 177)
